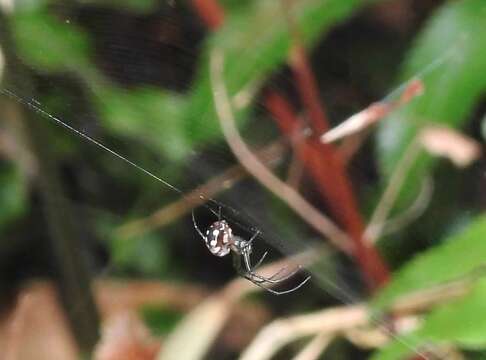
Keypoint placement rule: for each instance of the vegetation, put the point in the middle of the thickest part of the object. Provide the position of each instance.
(387, 216)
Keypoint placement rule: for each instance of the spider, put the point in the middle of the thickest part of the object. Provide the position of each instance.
(220, 241)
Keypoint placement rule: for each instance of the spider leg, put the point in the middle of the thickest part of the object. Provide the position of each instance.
(251, 269)
(197, 227)
(258, 232)
(257, 265)
(250, 277)
(261, 279)
(277, 292)
(259, 261)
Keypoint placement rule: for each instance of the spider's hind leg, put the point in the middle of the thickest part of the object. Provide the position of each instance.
(277, 292)
(250, 270)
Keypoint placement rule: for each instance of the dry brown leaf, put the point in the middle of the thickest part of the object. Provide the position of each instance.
(125, 337)
(113, 296)
(37, 328)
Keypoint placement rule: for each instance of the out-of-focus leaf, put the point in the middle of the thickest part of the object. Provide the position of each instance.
(150, 115)
(137, 6)
(232, 6)
(25, 5)
(458, 256)
(451, 51)
(199, 329)
(160, 320)
(483, 127)
(255, 41)
(145, 254)
(459, 322)
(47, 44)
(13, 197)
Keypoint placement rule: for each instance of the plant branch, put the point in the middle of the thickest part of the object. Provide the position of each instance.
(326, 166)
(282, 331)
(387, 200)
(311, 155)
(372, 114)
(268, 155)
(210, 316)
(315, 347)
(251, 163)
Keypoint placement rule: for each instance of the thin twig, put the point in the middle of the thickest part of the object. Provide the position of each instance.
(346, 320)
(413, 212)
(385, 205)
(268, 155)
(315, 347)
(425, 299)
(295, 172)
(296, 168)
(370, 260)
(352, 321)
(251, 163)
(208, 319)
(282, 331)
(372, 114)
(370, 338)
(351, 145)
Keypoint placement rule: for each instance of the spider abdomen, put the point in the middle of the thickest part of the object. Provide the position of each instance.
(219, 238)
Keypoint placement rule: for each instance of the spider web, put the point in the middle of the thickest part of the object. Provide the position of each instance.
(128, 70)
(246, 205)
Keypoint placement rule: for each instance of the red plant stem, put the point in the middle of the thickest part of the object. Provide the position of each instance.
(308, 89)
(312, 155)
(321, 160)
(211, 13)
(327, 168)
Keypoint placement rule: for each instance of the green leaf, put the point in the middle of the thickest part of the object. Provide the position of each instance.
(457, 256)
(255, 41)
(148, 114)
(451, 55)
(136, 6)
(160, 320)
(46, 43)
(13, 195)
(459, 322)
(147, 255)
(399, 349)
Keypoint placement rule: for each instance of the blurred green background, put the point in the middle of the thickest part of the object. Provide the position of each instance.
(134, 76)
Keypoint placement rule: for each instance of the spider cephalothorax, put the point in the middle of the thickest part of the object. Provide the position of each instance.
(220, 240)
